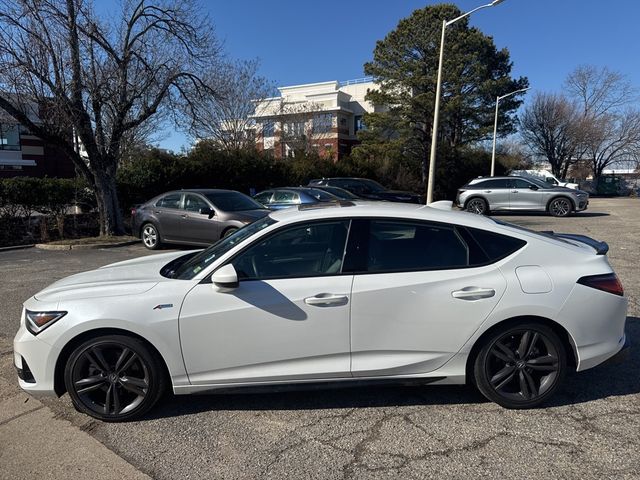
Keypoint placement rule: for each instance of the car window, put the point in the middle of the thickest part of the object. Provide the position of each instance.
(488, 247)
(309, 250)
(493, 184)
(404, 246)
(263, 197)
(286, 196)
(193, 203)
(520, 183)
(170, 201)
(320, 195)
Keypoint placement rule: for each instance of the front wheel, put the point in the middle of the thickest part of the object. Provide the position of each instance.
(520, 367)
(229, 231)
(560, 207)
(114, 378)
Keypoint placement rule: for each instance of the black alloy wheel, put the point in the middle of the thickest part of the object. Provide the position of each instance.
(114, 378)
(522, 366)
(477, 205)
(229, 231)
(560, 207)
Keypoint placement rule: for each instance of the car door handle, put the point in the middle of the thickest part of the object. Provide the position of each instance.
(327, 300)
(487, 191)
(473, 293)
(184, 215)
(514, 191)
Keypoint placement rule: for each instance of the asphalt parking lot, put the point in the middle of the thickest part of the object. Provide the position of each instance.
(590, 430)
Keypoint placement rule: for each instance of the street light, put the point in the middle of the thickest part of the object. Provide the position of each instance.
(495, 128)
(436, 113)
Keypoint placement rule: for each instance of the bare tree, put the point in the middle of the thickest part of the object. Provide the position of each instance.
(225, 118)
(101, 79)
(551, 127)
(611, 128)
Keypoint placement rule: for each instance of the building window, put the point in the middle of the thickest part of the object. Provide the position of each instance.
(322, 123)
(268, 128)
(9, 136)
(358, 123)
(295, 128)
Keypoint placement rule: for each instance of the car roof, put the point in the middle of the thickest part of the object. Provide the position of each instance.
(409, 211)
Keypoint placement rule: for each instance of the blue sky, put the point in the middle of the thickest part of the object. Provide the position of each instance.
(304, 41)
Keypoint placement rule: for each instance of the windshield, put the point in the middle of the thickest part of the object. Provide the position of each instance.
(372, 185)
(201, 260)
(540, 183)
(320, 195)
(232, 201)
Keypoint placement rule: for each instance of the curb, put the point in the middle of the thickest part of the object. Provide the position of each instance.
(93, 246)
(16, 247)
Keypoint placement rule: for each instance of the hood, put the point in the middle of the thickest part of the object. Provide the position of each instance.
(250, 214)
(131, 277)
(394, 196)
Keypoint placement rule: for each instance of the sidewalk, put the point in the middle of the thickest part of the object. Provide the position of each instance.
(36, 445)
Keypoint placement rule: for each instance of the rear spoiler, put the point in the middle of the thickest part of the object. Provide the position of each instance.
(601, 248)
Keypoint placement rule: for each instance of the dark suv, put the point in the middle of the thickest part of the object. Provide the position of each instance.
(367, 189)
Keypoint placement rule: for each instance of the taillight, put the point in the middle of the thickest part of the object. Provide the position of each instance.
(607, 283)
(133, 212)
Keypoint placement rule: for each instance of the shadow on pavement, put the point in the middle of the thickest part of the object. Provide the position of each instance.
(545, 214)
(594, 384)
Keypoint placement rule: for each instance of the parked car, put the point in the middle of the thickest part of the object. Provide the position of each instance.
(545, 176)
(278, 198)
(344, 294)
(341, 193)
(368, 189)
(193, 217)
(486, 194)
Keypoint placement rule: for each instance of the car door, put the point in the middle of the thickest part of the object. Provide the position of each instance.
(415, 299)
(168, 211)
(524, 195)
(287, 319)
(496, 193)
(198, 227)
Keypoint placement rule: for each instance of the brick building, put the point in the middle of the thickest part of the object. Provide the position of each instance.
(324, 117)
(24, 154)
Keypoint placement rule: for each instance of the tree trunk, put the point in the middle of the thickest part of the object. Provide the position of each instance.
(107, 198)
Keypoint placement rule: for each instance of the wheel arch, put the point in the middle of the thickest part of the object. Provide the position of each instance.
(555, 197)
(572, 359)
(58, 378)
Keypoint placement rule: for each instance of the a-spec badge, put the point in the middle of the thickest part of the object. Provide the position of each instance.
(163, 305)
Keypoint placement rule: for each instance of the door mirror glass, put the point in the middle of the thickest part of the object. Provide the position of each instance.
(225, 278)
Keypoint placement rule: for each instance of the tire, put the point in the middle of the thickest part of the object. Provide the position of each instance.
(515, 380)
(114, 378)
(229, 231)
(150, 236)
(477, 205)
(560, 207)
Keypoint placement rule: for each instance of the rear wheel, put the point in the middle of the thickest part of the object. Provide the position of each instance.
(150, 236)
(478, 205)
(522, 366)
(114, 378)
(560, 207)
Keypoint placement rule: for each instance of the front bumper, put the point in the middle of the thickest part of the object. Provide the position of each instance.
(35, 363)
(582, 205)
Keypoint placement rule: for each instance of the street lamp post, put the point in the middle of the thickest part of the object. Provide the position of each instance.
(495, 128)
(436, 113)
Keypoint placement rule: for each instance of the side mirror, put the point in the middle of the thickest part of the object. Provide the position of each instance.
(207, 211)
(225, 278)
(533, 187)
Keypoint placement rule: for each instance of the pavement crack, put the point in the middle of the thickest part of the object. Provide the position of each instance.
(15, 417)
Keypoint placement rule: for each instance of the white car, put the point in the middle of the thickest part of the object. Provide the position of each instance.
(339, 293)
(545, 176)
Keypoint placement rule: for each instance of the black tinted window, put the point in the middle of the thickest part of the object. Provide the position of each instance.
(519, 183)
(397, 246)
(496, 183)
(492, 246)
(308, 250)
(232, 201)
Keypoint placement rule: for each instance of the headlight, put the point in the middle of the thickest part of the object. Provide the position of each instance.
(38, 321)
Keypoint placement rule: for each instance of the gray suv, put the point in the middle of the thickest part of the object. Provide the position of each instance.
(485, 194)
(193, 217)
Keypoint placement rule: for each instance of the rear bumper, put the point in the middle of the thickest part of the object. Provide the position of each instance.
(621, 356)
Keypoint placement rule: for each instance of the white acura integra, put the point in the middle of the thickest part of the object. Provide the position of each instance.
(343, 293)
